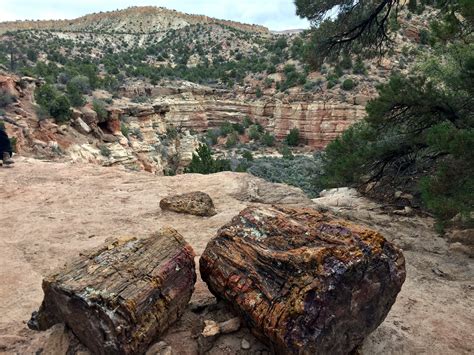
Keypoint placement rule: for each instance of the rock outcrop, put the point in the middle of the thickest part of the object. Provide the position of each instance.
(307, 282)
(118, 298)
(197, 203)
(319, 122)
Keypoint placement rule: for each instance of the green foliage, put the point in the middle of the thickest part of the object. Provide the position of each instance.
(247, 155)
(171, 133)
(203, 162)
(105, 151)
(359, 67)
(418, 135)
(293, 138)
(268, 139)
(247, 122)
(301, 171)
(287, 153)
(232, 140)
(124, 129)
(60, 109)
(99, 107)
(226, 128)
(53, 103)
(5, 99)
(258, 93)
(254, 132)
(212, 136)
(348, 84)
(239, 128)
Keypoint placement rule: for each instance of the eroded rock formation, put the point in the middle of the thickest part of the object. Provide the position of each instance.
(307, 282)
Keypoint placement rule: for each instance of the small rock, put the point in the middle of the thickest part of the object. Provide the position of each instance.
(81, 126)
(195, 203)
(245, 344)
(160, 348)
(463, 249)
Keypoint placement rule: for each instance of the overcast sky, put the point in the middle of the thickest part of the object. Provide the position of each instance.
(274, 14)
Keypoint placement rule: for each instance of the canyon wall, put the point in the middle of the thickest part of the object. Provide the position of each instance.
(319, 122)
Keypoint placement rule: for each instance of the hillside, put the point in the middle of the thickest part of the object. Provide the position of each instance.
(133, 20)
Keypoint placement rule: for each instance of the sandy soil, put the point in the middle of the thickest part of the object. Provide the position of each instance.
(49, 212)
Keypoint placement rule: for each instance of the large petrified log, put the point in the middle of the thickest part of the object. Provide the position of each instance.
(308, 283)
(118, 298)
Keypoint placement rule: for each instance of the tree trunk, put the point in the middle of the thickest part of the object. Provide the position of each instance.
(119, 298)
(306, 282)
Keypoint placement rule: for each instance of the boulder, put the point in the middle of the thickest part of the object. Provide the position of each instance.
(196, 203)
(305, 282)
(81, 126)
(118, 298)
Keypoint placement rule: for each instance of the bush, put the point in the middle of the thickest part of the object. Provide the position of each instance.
(60, 109)
(247, 122)
(203, 162)
(171, 132)
(99, 107)
(212, 136)
(105, 151)
(293, 138)
(302, 172)
(348, 84)
(5, 99)
(254, 132)
(239, 128)
(268, 139)
(258, 93)
(232, 140)
(247, 155)
(226, 128)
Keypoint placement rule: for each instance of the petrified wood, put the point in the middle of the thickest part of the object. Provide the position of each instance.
(118, 298)
(305, 282)
(197, 203)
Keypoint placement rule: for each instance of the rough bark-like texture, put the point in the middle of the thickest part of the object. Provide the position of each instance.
(308, 283)
(196, 203)
(120, 297)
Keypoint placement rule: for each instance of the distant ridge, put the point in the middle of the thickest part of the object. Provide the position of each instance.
(135, 20)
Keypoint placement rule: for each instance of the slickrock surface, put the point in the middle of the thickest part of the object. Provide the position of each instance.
(51, 212)
(119, 298)
(308, 283)
(196, 203)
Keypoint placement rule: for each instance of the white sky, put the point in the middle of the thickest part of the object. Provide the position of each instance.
(274, 14)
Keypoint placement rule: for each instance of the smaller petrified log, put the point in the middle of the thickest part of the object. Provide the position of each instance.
(307, 282)
(197, 203)
(118, 298)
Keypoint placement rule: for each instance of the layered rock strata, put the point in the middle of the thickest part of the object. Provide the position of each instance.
(306, 282)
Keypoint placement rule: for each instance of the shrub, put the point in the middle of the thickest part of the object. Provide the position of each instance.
(212, 136)
(105, 151)
(239, 128)
(268, 139)
(232, 140)
(99, 107)
(258, 93)
(226, 128)
(254, 132)
(293, 137)
(301, 172)
(171, 132)
(203, 162)
(247, 155)
(60, 109)
(247, 122)
(5, 98)
(124, 129)
(348, 84)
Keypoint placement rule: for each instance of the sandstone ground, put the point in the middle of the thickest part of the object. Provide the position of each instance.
(52, 211)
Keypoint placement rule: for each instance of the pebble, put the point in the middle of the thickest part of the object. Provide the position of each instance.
(245, 344)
